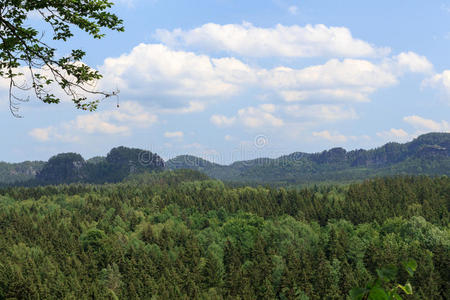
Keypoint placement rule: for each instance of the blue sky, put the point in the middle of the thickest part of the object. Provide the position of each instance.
(231, 80)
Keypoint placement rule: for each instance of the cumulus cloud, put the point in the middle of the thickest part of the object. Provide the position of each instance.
(439, 81)
(184, 82)
(283, 41)
(349, 79)
(407, 62)
(154, 72)
(98, 123)
(41, 134)
(423, 124)
(251, 117)
(131, 115)
(289, 117)
(220, 120)
(268, 107)
(397, 135)
(257, 117)
(413, 62)
(53, 134)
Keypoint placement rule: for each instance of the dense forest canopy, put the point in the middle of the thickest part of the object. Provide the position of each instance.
(179, 235)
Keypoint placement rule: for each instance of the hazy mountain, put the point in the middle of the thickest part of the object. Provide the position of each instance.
(19, 172)
(71, 167)
(428, 154)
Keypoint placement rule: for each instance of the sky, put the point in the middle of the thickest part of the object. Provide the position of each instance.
(232, 80)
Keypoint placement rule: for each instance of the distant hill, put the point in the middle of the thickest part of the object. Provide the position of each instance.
(19, 172)
(65, 168)
(428, 154)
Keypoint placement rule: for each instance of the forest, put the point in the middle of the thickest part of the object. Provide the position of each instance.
(180, 235)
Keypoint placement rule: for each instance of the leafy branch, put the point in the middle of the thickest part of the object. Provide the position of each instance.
(24, 54)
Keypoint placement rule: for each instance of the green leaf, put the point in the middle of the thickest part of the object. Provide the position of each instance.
(407, 288)
(378, 294)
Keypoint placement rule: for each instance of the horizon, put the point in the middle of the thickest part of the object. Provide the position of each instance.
(216, 159)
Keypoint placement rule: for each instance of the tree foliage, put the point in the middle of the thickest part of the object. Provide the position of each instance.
(163, 238)
(27, 55)
(63, 168)
(119, 164)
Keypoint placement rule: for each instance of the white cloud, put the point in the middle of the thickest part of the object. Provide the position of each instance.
(439, 81)
(220, 120)
(284, 41)
(332, 137)
(129, 115)
(112, 122)
(268, 107)
(349, 79)
(41, 134)
(414, 63)
(51, 133)
(96, 123)
(395, 135)
(292, 118)
(257, 117)
(334, 73)
(421, 125)
(427, 124)
(358, 95)
(174, 134)
(154, 73)
(408, 62)
(185, 82)
(177, 82)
